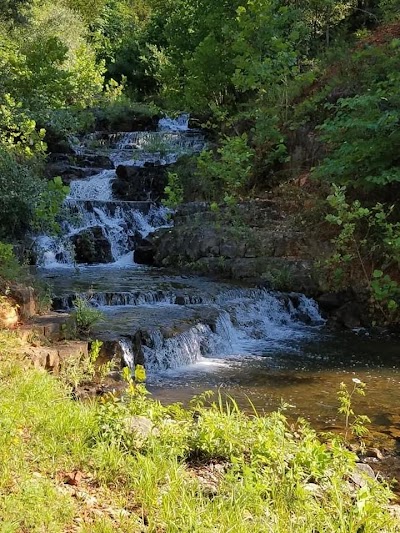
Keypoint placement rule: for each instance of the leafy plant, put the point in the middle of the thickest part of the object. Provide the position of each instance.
(84, 316)
(79, 369)
(173, 191)
(279, 279)
(230, 171)
(366, 247)
(355, 425)
(49, 206)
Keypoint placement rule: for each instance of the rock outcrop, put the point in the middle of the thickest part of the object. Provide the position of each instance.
(140, 184)
(256, 242)
(91, 246)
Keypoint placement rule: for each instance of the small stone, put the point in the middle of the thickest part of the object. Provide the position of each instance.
(361, 473)
(314, 489)
(140, 425)
(374, 452)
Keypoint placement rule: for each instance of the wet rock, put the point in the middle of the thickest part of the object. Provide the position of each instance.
(91, 246)
(93, 160)
(180, 300)
(144, 252)
(68, 172)
(140, 184)
(56, 142)
(129, 120)
(351, 315)
(374, 453)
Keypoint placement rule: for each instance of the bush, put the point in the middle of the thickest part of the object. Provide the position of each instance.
(20, 190)
(361, 133)
(229, 172)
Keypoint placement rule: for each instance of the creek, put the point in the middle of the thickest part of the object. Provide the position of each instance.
(196, 333)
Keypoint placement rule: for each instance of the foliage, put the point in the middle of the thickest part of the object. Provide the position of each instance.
(79, 369)
(367, 246)
(262, 466)
(278, 279)
(19, 193)
(7, 258)
(173, 191)
(49, 205)
(84, 316)
(354, 424)
(363, 136)
(228, 174)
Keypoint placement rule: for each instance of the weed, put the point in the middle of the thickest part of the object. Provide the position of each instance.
(84, 317)
(80, 368)
(279, 279)
(355, 425)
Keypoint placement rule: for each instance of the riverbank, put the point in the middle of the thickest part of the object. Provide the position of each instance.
(130, 464)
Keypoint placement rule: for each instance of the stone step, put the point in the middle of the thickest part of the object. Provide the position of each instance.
(52, 358)
(51, 327)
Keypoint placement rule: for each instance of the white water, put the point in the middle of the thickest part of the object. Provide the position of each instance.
(180, 123)
(245, 323)
(245, 327)
(120, 224)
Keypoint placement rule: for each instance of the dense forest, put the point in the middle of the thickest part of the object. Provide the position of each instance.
(286, 90)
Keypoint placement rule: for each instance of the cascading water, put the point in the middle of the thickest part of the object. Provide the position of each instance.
(175, 323)
(248, 323)
(90, 203)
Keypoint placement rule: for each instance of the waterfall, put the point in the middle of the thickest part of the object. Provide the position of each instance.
(112, 227)
(180, 123)
(244, 327)
(127, 352)
(172, 324)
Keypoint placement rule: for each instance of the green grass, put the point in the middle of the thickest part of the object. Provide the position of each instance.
(201, 469)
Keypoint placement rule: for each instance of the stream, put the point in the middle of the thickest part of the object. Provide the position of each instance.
(196, 333)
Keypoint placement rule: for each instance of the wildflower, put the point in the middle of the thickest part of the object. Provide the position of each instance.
(356, 381)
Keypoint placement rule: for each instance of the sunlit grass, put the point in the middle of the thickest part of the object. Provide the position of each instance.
(200, 470)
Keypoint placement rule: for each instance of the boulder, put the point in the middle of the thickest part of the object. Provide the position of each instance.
(144, 252)
(8, 314)
(140, 184)
(91, 246)
(25, 299)
(93, 160)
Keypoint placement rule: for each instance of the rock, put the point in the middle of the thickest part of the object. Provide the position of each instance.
(394, 511)
(315, 490)
(180, 300)
(56, 142)
(350, 315)
(330, 301)
(93, 160)
(361, 473)
(140, 425)
(130, 120)
(140, 184)
(374, 452)
(25, 298)
(67, 171)
(52, 358)
(144, 252)
(8, 314)
(91, 246)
